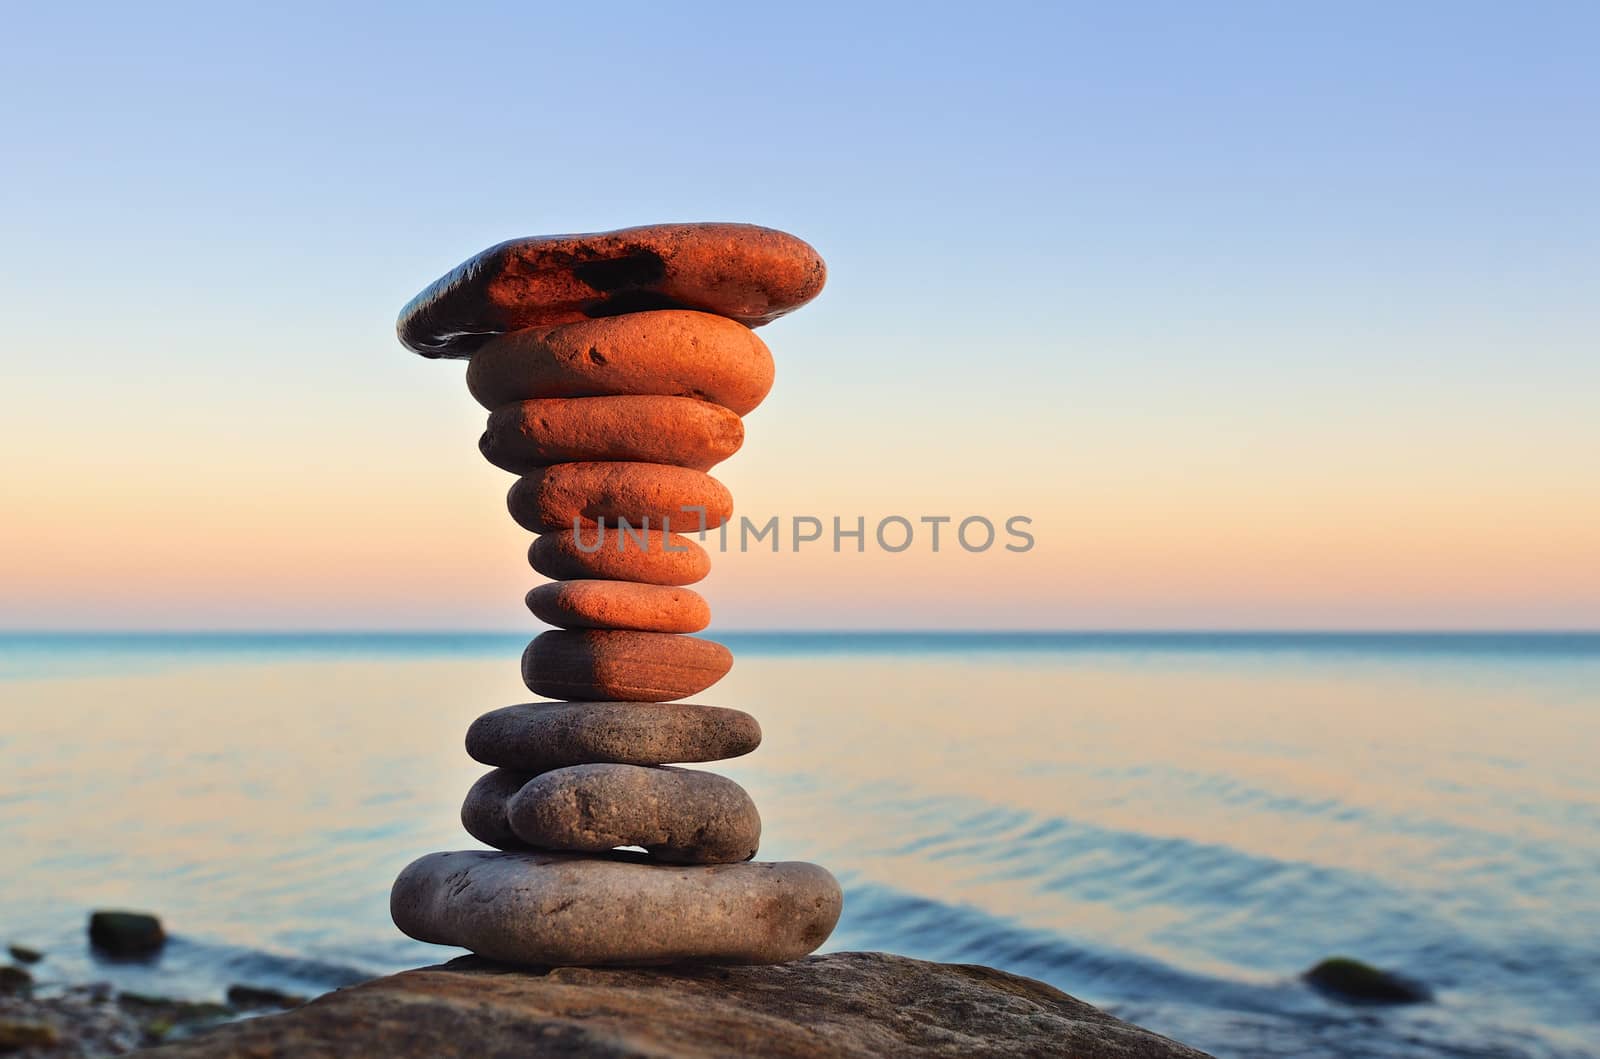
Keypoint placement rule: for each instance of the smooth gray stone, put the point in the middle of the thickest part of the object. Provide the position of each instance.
(683, 816)
(540, 736)
(565, 909)
(483, 813)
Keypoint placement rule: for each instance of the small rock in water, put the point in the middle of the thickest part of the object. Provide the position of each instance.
(23, 954)
(540, 736)
(483, 813)
(163, 1018)
(1353, 980)
(126, 933)
(168, 1009)
(14, 980)
(561, 909)
(254, 998)
(682, 816)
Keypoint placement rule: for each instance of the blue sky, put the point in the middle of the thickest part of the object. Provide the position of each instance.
(1069, 244)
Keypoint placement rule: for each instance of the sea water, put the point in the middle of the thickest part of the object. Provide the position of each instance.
(1173, 826)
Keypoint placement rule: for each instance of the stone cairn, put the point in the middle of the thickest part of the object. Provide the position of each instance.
(616, 367)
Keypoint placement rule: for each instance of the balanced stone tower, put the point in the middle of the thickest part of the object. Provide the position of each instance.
(616, 367)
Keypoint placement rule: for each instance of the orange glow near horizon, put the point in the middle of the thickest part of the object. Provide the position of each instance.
(422, 540)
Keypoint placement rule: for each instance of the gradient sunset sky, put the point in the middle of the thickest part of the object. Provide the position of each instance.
(1268, 316)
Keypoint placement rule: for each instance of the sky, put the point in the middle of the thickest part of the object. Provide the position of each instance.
(1265, 316)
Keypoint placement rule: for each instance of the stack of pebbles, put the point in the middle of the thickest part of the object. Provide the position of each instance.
(616, 367)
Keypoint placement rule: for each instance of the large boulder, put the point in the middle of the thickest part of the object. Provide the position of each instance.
(848, 1004)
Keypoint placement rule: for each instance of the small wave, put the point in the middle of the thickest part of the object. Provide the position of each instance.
(1231, 1018)
(879, 917)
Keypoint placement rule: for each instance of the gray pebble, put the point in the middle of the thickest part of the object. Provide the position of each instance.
(679, 815)
(540, 736)
(483, 813)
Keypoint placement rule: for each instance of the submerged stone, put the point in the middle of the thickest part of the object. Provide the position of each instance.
(128, 934)
(1351, 979)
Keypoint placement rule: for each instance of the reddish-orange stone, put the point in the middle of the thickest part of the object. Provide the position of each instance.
(652, 558)
(671, 354)
(588, 604)
(741, 271)
(611, 664)
(658, 495)
(525, 436)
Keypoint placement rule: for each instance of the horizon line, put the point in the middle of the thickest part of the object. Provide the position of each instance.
(839, 631)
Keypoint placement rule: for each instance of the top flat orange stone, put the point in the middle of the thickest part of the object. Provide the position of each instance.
(741, 271)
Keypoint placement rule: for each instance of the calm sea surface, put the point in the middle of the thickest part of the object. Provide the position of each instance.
(1171, 826)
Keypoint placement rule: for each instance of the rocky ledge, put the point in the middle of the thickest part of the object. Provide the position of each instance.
(841, 1004)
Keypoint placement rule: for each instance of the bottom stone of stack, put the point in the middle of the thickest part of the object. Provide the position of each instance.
(562, 909)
